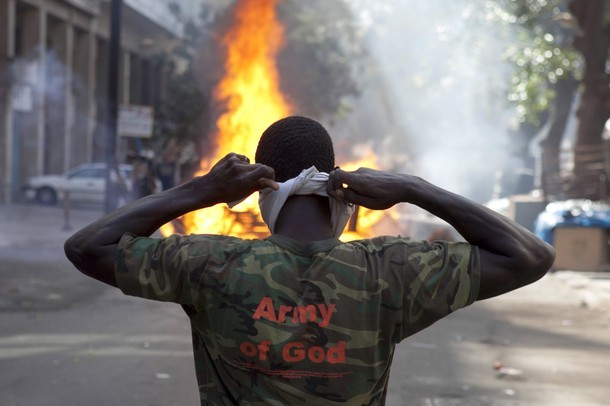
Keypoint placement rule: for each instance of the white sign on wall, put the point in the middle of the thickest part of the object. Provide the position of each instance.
(136, 121)
(22, 98)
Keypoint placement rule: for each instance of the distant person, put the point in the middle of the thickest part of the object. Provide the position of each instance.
(166, 168)
(144, 182)
(301, 318)
(119, 192)
(166, 173)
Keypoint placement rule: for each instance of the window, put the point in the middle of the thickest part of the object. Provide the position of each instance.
(88, 173)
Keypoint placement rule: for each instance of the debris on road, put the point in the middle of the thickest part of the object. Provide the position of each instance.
(503, 372)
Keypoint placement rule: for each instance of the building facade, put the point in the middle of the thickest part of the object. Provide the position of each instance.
(54, 80)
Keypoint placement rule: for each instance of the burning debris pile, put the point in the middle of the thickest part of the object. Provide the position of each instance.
(250, 90)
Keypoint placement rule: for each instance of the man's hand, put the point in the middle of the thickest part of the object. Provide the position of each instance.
(366, 187)
(93, 249)
(510, 255)
(235, 178)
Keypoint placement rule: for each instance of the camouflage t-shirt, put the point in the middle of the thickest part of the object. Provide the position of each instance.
(279, 322)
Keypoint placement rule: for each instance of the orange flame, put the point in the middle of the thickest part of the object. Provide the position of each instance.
(251, 91)
(250, 88)
(251, 82)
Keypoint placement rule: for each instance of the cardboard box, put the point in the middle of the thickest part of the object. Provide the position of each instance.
(580, 248)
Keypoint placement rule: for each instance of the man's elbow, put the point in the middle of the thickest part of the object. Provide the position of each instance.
(73, 249)
(81, 253)
(541, 260)
(95, 262)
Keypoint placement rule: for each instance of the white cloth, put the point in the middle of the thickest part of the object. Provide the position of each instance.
(309, 182)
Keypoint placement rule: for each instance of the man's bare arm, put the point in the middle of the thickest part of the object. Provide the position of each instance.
(93, 249)
(511, 256)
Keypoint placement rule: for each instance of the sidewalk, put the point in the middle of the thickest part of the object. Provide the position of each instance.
(592, 288)
(36, 274)
(31, 225)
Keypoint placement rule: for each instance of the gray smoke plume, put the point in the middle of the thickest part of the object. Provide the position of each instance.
(440, 89)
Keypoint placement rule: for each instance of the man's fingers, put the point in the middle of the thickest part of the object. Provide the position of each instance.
(348, 195)
(346, 186)
(232, 156)
(266, 182)
(340, 181)
(361, 200)
(337, 193)
(259, 171)
(243, 158)
(336, 181)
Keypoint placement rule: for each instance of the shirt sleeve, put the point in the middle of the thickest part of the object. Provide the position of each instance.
(156, 268)
(440, 277)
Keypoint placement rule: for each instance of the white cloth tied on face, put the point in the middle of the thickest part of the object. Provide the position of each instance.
(309, 182)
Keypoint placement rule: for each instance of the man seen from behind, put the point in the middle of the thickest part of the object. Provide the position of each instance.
(301, 317)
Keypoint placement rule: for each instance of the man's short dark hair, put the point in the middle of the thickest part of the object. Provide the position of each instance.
(295, 143)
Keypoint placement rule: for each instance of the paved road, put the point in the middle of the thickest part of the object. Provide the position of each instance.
(68, 340)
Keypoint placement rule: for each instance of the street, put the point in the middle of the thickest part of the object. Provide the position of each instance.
(69, 340)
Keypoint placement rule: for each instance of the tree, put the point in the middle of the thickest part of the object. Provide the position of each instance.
(569, 54)
(592, 41)
(325, 51)
(544, 83)
(182, 109)
(182, 112)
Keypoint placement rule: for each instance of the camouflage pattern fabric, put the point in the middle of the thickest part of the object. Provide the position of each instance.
(277, 322)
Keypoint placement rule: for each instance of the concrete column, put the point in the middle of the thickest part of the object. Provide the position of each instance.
(29, 69)
(7, 52)
(146, 84)
(57, 95)
(125, 94)
(101, 100)
(135, 80)
(81, 89)
(91, 85)
(69, 112)
(42, 85)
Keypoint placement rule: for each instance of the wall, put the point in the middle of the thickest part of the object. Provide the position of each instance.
(55, 51)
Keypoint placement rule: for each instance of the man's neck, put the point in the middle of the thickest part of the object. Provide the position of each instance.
(305, 218)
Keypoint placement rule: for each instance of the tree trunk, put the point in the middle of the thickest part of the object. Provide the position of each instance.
(589, 172)
(549, 171)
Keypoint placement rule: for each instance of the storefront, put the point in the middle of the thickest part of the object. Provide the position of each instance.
(54, 80)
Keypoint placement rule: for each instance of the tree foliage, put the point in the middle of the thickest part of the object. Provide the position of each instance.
(325, 49)
(542, 54)
(562, 41)
(184, 105)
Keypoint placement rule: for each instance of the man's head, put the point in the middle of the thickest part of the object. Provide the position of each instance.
(295, 143)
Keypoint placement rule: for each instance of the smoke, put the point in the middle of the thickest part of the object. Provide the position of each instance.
(44, 78)
(443, 81)
(25, 70)
(60, 93)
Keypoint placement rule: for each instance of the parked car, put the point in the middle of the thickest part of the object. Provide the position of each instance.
(85, 183)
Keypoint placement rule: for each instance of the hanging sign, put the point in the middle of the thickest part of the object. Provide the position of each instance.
(136, 121)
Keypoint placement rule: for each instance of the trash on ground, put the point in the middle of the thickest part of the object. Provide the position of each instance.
(503, 372)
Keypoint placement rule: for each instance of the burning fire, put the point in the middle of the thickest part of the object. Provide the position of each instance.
(250, 88)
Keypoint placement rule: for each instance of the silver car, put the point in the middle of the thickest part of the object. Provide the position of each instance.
(84, 183)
